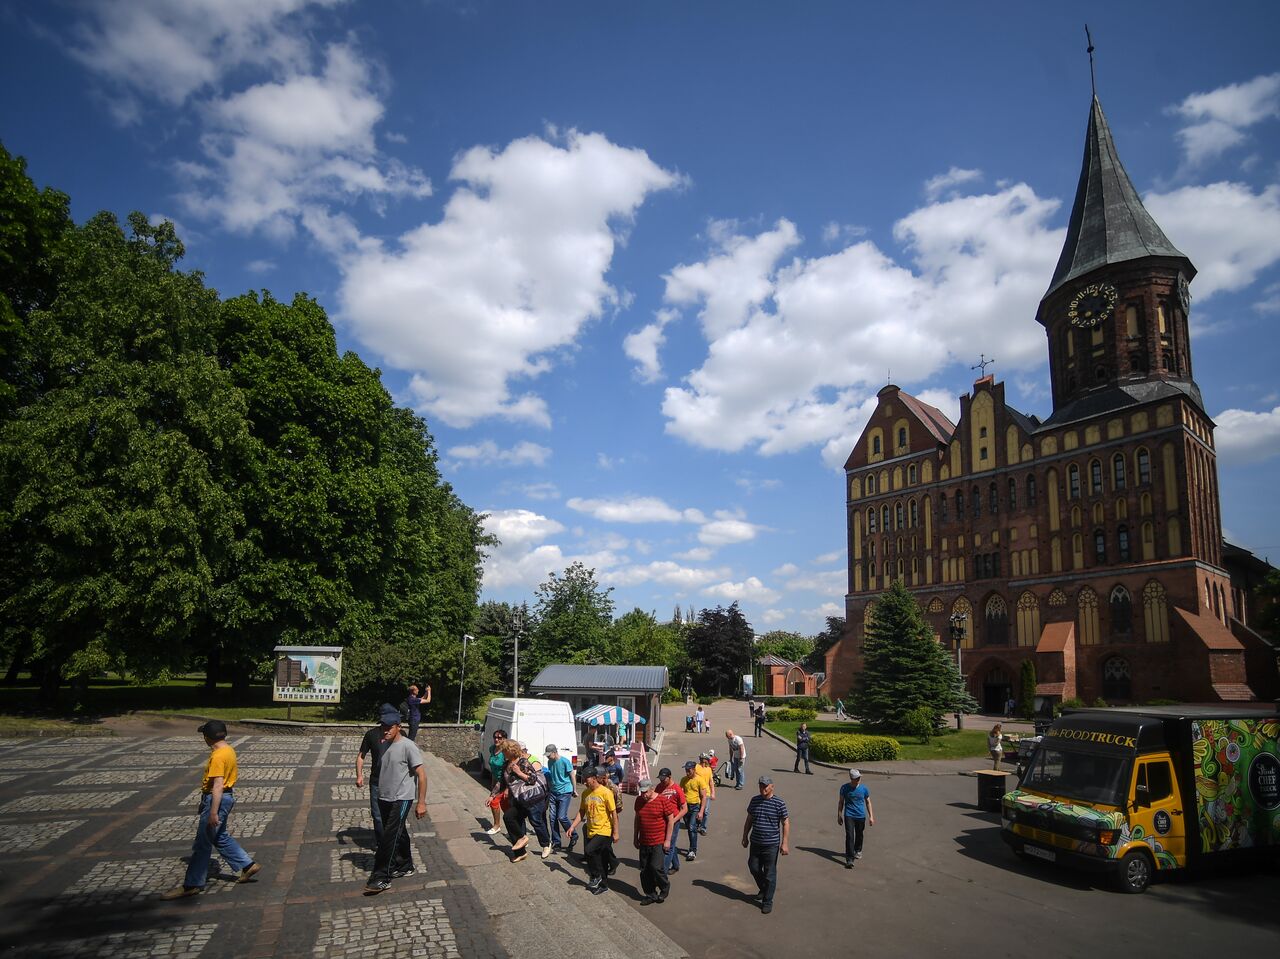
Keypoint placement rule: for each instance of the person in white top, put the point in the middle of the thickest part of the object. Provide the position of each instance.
(699, 719)
(737, 757)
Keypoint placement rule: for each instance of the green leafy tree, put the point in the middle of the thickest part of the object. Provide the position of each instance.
(1268, 593)
(640, 640)
(904, 667)
(720, 648)
(1027, 688)
(816, 661)
(573, 620)
(116, 467)
(785, 645)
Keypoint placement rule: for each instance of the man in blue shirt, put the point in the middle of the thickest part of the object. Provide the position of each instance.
(853, 811)
(559, 772)
(764, 836)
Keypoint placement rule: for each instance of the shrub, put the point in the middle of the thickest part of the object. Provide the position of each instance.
(1100, 703)
(792, 702)
(790, 715)
(672, 695)
(1163, 702)
(852, 748)
(921, 723)
(824, 702)
(1072, 703)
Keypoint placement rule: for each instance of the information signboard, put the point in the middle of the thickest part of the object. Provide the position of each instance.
(307, 674)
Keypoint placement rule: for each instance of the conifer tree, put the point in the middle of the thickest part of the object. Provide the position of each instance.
(904, 667)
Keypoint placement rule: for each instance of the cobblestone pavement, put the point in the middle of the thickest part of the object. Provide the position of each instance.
(92, 832)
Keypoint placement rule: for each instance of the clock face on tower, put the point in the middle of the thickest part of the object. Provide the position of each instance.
(1184, 294)
(1092, 305)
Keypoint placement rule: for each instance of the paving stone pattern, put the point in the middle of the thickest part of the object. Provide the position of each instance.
(409, 929)
(264, 774)
(135, 880)
(111, 777)
(349, 792)
(244, 825)
(30, 837)
(184, 941)
(46, 802)
(245, 796)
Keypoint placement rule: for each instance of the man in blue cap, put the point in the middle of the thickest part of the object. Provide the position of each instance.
(401, 779)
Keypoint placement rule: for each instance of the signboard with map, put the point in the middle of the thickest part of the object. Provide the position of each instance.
(307, 674)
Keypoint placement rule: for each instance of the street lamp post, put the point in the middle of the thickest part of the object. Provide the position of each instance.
(517, 626)
(957, 623)
(463, 679)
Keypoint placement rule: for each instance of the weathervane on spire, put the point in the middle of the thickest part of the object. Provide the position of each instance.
(1092, 83)
(982, 364)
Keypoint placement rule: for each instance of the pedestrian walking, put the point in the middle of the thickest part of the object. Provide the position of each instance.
(759, 719)
(599, 812)
(751, 707)
(737, 757)
(854, 812)
(655, 821)
(700, 719)
(528, 790)
(402, 785)
(675, 795)
(217, 798)
(1010, 705)
(995, 745)
(560, 795)
(764, 836)
(498, 792)
(706, 771)
(696, 800)
(802, 749)
(840, 713)
(372, 746)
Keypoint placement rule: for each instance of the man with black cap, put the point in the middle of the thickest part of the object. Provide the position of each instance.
(674, 793)
(217, 797)
(399, 771)
(374, 746)
(764, 835)
(655, 819)
(599, 814)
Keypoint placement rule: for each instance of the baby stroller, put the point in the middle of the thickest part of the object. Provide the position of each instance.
(688, 724)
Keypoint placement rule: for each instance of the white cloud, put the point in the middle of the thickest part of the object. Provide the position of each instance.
(488, 453)
(520, 526)
(260, 266)
(1243, 436)
(822, 612)
(825, 558)
(278, 153)
(1216, 120)
(831, 581)
(643, 346)
(786, 569)
(936, 186)
(796, 351)
(771, 617)
(665, 573)
(523, 559)
(833, 232)
(639, 509)
(699, 554)
(169, 50)
(727, 528)
(541, 491)
(606, 462)
(750, 590)
(512, 272)
(1230, 233)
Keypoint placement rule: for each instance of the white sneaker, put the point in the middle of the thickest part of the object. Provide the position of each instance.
(492, 832)
(546, 852)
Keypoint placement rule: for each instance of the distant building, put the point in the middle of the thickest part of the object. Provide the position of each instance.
(785, 678)
(637, 688)
(1090, 543)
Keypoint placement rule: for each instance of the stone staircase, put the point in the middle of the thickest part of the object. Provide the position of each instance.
(539, 904)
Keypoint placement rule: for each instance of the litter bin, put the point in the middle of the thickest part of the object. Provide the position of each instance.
(991, 788)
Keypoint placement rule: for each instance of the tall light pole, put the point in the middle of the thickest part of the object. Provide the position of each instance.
(517, 627)
(957, 623)
(463, 679)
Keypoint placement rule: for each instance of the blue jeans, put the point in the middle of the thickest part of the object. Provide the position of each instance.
(691, 824)
(706, 818)
(376, 811)
(207, 838)
(558, 816)
(738, 767)
(672, 857)
(763, 863)
(534, 814)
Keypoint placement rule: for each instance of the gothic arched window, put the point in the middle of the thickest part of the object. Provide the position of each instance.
(942, 506)
(997, 622)
(915, 514)
(993, 499)
(1031, 490)
(1073, 481)
(1117, 680)
(1122, 543)
(1117, 471)
(1121, 611)
(976, 504)
(1013, 494)
(1100, 546)
(1144, 467)
(897, 516)
(871, 520)
(1095, 477)
(875, 444)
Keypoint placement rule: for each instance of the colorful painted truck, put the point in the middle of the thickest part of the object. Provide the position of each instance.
(1133, 792)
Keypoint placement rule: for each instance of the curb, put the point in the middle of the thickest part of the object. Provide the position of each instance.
(40, 732)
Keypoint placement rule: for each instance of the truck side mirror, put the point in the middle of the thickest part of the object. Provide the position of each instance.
(1140, 800)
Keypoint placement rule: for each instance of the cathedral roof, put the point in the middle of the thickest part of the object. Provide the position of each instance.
(1108, 223)
(934, 420)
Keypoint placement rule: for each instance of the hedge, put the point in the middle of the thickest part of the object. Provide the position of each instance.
(852, 748)
(792, 702)
(790, 715)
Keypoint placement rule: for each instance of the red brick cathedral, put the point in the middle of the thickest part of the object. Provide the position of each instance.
(1091, 542)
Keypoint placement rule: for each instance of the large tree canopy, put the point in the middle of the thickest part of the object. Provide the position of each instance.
(720, 650)
(573, 620)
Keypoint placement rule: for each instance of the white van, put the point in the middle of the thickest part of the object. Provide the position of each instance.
(534, 722)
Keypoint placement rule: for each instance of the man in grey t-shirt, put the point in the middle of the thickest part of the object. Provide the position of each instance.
(402, 779)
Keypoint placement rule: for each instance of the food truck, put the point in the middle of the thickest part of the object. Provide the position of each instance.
(1133, 792)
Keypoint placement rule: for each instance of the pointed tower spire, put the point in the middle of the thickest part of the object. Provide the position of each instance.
(1108, 223)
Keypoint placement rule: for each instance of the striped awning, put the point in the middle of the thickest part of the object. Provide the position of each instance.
(608, 716)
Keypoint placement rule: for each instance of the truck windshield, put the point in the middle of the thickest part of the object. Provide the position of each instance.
(1081, 776)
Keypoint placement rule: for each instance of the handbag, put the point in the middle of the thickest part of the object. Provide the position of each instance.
(528, 793)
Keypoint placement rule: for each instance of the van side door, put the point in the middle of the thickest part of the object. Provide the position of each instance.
(1157, 810)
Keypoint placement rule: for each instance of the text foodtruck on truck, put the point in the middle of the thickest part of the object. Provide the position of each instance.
(1132, 791)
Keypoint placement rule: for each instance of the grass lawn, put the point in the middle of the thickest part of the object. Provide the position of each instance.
(180, 696)
(950, 744)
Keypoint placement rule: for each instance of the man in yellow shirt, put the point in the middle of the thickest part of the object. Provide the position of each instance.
(707, 773)
(600, 813)
(695, 797)
(217, 797)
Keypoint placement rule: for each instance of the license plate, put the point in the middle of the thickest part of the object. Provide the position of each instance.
(1045, 854)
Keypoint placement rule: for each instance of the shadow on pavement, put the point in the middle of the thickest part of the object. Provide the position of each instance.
(724, 891)
(835, 856)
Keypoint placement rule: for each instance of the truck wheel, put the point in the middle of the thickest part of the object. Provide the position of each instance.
(1134, 874)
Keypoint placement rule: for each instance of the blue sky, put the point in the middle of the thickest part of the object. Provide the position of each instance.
(643, 267)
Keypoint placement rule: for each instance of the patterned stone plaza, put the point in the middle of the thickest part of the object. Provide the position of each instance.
(93, 830)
